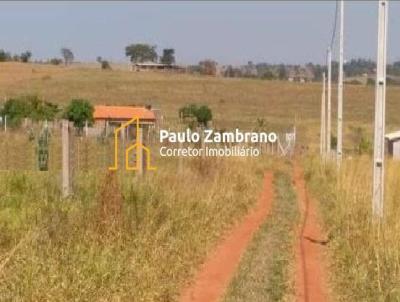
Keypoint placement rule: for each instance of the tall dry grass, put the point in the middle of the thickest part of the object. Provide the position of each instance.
(60, 250)
(365, 253)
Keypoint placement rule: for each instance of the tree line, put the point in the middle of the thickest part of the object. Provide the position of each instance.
(16, 109)
(142, 53)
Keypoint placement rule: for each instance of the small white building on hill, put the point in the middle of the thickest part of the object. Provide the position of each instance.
(393, 144)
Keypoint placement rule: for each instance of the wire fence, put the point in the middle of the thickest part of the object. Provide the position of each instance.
(40, 148)
(21, 150)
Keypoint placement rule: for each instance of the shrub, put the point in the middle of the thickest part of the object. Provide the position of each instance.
(15, 110)
(41, 110)
(79, 111)
(105, 65)
(29, 106)
(55, 61)
(202, 115)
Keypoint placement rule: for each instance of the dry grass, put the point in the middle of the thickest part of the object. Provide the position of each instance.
(54, 250)
(168, 222)
(235, 102)
(264, 271)
(365, 254)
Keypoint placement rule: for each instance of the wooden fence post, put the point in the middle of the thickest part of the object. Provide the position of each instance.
(86, 128)
(65, 158)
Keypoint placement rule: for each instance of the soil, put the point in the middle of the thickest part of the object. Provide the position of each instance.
(311, 273)
(219, 268)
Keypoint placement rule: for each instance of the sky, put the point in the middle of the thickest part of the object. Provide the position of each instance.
(293, 32)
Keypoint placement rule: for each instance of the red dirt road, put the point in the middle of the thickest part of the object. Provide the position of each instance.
(217, 271)
(311, 278)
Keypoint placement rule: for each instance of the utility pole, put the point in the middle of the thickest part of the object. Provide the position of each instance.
(380, 99)
(323, 121)
(340, 90)
(329, 109)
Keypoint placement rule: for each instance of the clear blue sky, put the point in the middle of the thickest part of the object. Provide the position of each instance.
(229, 32)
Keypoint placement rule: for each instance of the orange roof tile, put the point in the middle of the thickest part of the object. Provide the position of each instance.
(122, 112)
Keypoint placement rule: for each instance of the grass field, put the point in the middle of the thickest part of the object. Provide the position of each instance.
(234, 102)
(149, 239)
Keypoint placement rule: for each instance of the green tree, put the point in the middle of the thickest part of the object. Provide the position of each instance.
(140, 53)
(193, 113)
(4, 56)
(79, 111)
(29, 106)
(25, 56)
(105, 65)
(15, 109)
(208, 67)
(268, 75)
(282, 74)
(168, 56)
(68, 55)
(55, 61)
(41, 110)
(203, 115)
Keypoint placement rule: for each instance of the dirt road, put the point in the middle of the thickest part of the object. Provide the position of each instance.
(217, 271)
(311, 277)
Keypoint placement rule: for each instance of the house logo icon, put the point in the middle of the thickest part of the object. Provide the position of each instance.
(140, 151)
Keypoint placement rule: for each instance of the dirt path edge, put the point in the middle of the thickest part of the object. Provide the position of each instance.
(311, 273)
(217, 271)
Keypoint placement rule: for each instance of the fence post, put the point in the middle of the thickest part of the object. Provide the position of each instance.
(86, 128)
(65, 158)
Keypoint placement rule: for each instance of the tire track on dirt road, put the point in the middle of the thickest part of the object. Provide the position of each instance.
(219, 268)
(311, 275)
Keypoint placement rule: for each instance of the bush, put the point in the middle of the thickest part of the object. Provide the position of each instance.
(202, 115)
(15, 110)
(55, 61)
(4, 56)
(29, 106)
(105, 65)
(79, 111)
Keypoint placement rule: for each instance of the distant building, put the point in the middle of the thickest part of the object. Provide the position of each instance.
(107, 118)
(152, 66)
(393, 144)
(300, 74)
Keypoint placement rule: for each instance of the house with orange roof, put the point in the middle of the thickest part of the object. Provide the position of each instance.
(111, 117)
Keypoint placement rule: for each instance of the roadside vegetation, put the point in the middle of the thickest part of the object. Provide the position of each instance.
(118, 238)
(365, 253)
(264, 271)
